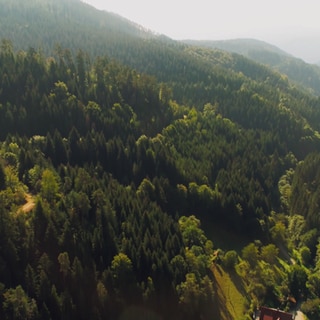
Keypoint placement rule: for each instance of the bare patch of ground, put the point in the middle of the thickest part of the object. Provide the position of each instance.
(29, 205)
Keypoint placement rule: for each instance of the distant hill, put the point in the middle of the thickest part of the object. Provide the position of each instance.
(245, 47)
(77, 26)
(300, 72)
(45, 23)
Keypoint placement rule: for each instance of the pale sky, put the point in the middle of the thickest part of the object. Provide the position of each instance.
(274, 21)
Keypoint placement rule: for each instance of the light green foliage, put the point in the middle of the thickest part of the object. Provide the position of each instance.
(60, 91)
(93, 109)
(18, 306)
(317, 259)
(284, 186)
(313, 284)
(194, 295)
(189, 291)
(191, 232)
(250, 253)
(310, 239)
(11, 159)
(296, 228)
(12, 191)
(204, 193)
(12, 180)
(64, 262)
(258, 290)
(262, 270)
(13, 148)
(278, 232)
(269, 253)
(146, 188)
(35, 175)
(196, 291)
(311, 308)
(197, 261)
(230, 259)
(182, 191)
(210, 110)
(125, 113)
(49, 185)
(122, 272)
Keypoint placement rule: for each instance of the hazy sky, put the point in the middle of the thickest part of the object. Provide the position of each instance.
(274, 21)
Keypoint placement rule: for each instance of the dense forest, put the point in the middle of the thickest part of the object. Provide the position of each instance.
(130, 183)
(306, 76)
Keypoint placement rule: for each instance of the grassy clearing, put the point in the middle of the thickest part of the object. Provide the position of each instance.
(230, 295)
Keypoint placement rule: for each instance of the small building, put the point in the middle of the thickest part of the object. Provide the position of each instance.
(274, 314)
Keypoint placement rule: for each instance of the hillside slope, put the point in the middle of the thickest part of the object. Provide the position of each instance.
(75, 25)
(128, 172)
(135, 158)
(230, 295)
(303, 74)
(46, 23)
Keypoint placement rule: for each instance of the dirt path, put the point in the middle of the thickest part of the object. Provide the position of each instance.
(299, 316)
(29, 205)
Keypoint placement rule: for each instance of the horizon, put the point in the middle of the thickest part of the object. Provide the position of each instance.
(294, 25)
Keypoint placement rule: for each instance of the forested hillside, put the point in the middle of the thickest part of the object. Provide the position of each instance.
(305, 75)
(129, 189)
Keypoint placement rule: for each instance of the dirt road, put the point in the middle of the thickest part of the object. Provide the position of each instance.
(29, 205)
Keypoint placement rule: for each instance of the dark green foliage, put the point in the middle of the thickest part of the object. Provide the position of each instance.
(112, 160)
(311, 308)
(297, 281)
(17, 305)
(121, 174)
(230, 259)
(305, 190)
(250, 253)
(300, 72)
(2, 177)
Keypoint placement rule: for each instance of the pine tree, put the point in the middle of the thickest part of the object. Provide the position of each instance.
(2, 178)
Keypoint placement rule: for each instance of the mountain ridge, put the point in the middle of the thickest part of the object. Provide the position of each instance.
(107, 33)
(239, 45)
(303, 74)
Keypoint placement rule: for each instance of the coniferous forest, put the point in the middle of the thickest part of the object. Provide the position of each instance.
(163, 182)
